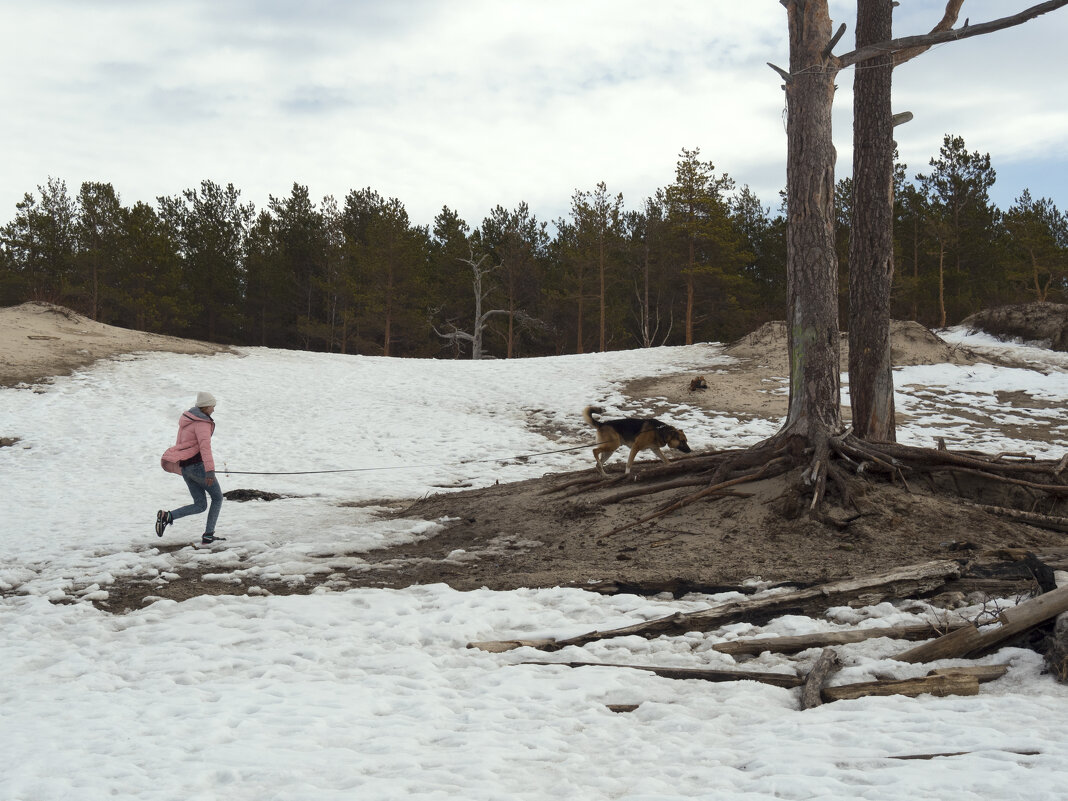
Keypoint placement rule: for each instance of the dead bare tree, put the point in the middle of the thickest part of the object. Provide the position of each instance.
(649, 319)
(478, 272)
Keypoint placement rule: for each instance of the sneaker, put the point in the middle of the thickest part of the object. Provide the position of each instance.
(163, 519)
(208, 539)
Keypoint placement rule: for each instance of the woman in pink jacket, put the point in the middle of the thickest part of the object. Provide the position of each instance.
(190, 457)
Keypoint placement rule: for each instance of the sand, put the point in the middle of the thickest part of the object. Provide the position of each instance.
(41, 340)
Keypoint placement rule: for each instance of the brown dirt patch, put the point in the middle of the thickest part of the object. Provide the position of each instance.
(526, 535)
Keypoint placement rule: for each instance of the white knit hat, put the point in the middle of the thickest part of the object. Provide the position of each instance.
(205, 399)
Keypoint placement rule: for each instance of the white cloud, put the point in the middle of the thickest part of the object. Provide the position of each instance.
(467, 103)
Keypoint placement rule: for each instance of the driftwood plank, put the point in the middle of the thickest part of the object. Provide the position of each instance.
(500, 646)
(983, 673)
(787, 680)
(972, 642)
(933, 685)
(811, 693)
(949, 646)
(1037, 610)
(904, 582)
(802, 642)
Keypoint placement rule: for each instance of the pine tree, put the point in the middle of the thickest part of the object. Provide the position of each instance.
(699, 211)
(99, 232)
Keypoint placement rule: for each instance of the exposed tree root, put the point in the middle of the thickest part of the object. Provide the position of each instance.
(839, 465)
(774, 467)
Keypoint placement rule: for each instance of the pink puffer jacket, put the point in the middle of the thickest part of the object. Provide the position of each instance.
(194, 436)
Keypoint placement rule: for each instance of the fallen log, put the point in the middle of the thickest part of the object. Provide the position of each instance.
(940, 685)
(676, 587)
(983, 673)
(1050, 522)
(905, 582)
(949, 646)
(787, 680)
(500, 646)
(802, 642)
(812, 692)
(1034, 611)
(964, 753)
(1023, 617)
(775, 645)
(972, 642)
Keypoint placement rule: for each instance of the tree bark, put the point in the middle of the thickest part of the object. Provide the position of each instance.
(871, 243)
(811, 262)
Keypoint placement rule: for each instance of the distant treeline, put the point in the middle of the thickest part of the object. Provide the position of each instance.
(700, 260)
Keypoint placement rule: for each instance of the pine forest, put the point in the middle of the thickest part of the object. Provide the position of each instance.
(703, 259)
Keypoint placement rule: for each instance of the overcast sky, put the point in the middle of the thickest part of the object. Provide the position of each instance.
(475, 103)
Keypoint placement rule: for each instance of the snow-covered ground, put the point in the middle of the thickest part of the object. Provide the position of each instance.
(372, 694)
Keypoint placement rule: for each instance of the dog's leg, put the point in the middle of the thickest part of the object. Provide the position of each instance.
(630, 459)
(600, 456)
(660, 453)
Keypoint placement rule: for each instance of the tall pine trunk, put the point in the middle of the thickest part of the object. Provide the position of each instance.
(581, 299)
(601, 267)
(387, 335)
(871, 244)
(942, 282)
(811, 263)
(690, 291)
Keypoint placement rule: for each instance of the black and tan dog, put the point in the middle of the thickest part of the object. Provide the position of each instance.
(638, 434)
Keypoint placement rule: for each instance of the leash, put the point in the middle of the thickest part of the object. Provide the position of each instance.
(398, 467)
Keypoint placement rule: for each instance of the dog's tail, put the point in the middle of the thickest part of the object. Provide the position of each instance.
(589, 412)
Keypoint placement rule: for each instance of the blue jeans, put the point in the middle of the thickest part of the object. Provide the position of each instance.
(197, 481)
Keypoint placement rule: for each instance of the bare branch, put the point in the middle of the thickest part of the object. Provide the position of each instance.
(454, 335)
(901, 119)
(834, 39)
(928, 40)
(949, 19)
(786, 78)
